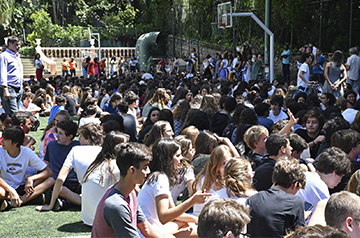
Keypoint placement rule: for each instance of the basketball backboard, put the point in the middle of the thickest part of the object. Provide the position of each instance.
(224, 15)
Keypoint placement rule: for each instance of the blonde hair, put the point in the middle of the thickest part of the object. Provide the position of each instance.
(211, 171)
(252, 135)
(192, 133)
(160, 97)
(354, 183)
(237, 178)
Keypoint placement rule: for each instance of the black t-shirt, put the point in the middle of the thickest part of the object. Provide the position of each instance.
(263, 174)
(70, 105)
(38, 102)
(355, 165)
(218, 123)
(255, 159)
(307, 138)
(273, 212)
(130, 126)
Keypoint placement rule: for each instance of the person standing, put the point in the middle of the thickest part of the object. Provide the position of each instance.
(39, 67)
(304, 72)
(65, 67)
(102, 65)
(285, 55)
(11, 76)
(335, 74)
(352, 69)
(318, 67)
(73, 65)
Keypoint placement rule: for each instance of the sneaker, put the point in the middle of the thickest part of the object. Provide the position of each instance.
(61, 205)
(5, 206)
(58, 205)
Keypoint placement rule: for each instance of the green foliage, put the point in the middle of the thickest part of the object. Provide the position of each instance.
(6, 10)
(27, 51)
(53, 34)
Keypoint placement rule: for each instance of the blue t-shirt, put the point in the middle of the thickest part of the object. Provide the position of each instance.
(319, 69)
(286, 60)
(56, 155)
(55, 109)
(109, 108)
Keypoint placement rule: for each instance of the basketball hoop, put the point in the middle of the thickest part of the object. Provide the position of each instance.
(221, 25)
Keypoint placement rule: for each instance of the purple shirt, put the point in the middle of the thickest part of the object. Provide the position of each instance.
(11, 69)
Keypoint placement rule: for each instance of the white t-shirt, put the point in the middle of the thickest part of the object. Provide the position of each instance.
(31, 108)
(177, 189)
(92, 191)
(13, 170)
(282, 116)
(223, 194)
(147, 195)
(354, 62)
(305, 68)
(315, 189)
(349, 114)
(80, 157)
(198, 207)
(85, 120)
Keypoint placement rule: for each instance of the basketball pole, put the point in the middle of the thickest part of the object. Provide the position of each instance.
(267, 30)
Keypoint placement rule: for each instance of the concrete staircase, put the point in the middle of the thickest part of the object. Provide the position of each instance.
(29, 68)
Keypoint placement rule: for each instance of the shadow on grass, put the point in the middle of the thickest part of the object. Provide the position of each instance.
(76, 227)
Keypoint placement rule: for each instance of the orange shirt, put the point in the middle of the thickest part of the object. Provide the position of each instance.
(91, 70)
(102, 65)
(65, 65)
(72, 64)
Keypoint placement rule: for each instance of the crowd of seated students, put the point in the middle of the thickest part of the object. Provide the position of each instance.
(193, 142)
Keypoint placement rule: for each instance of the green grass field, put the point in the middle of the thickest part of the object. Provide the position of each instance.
(27, 222)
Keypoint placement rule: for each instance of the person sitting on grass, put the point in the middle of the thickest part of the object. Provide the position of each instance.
(23, 120)
(79, 159)
(56, 153)
(15, 189)
(118, 213)
(50, 131)
(60, 102)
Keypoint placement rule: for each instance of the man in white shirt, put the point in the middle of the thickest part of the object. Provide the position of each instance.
(352, 69)
(304, 72)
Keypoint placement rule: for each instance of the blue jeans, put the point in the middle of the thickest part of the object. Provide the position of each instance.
(85, 73)
(12, 105)
(286, 72)
(73, 72)
(65, 72)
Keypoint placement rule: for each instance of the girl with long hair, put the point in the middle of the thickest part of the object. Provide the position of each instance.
(148, 124)
(179, 115)
(50, 97)
(159, 130)
(100, 175)
(238, 176)
(185, 172)
(211, 177)
(155, 198)
(335, 75)
(160, 99)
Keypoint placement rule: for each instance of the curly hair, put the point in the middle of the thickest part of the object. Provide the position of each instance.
(237, 177)
(92, 132)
